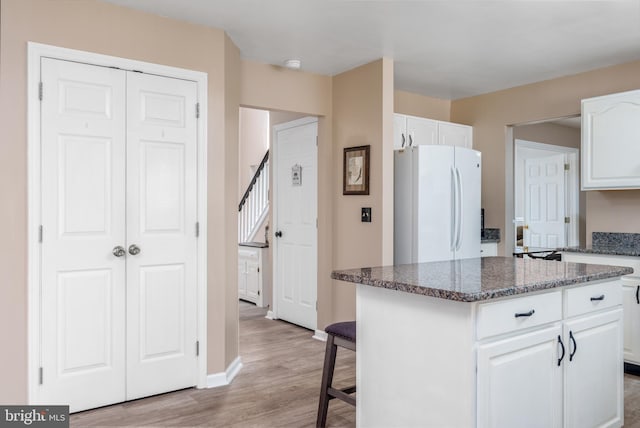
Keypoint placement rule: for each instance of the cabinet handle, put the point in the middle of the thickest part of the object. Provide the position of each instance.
(575, 346)
(525, 314)
(638, 294)
(403, 140)
(600, 297)
(562, 346)
(410, 140)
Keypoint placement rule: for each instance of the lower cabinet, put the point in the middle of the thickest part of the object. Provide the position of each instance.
(250, 273)
(567, 372)
(630, 297)
(488, 249)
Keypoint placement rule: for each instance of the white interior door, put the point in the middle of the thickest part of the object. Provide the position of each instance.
(295, 221)
(118, 169)
(545, 202)
(161, 223)
(83, 218)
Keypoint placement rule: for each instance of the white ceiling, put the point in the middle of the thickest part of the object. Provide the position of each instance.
(447, 49)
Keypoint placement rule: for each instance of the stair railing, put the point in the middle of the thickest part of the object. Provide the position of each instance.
(254, 205)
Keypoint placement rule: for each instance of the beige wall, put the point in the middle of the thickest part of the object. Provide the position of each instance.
(363, 115)
(421, 106)
(112, 30)
(490, 114)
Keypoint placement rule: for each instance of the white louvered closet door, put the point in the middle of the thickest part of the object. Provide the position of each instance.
(118, 175)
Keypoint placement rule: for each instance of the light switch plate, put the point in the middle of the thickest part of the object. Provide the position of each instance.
(365, 217)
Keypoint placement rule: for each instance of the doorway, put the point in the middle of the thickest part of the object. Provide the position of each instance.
(546, 195)
(116, 269)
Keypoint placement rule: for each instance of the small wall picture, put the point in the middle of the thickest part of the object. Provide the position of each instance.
(355, 180)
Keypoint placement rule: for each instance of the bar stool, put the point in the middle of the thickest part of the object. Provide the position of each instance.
(339, 334)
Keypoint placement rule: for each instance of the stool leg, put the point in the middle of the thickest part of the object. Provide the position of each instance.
(327, 379)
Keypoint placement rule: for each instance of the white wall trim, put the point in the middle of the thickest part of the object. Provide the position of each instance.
(36, 51)
(215, 380)
(320, 335)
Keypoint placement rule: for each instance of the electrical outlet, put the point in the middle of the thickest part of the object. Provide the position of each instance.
(366, 215)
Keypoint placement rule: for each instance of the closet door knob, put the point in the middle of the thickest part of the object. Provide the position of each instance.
(118, 251)
(134, 249)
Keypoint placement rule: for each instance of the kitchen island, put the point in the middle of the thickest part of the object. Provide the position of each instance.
(497, 341)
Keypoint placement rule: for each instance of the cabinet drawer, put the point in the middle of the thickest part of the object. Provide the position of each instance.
(500, 317)
(248, 254)
(581, 300)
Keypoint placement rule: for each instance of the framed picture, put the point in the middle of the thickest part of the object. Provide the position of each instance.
(355, 178)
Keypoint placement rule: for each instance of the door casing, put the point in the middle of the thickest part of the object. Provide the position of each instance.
(35, 52)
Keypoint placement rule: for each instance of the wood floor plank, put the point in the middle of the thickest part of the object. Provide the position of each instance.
(277, 387)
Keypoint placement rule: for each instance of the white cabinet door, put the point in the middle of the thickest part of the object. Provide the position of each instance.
(610, 132)
(488, 249)
(453, 134)
(520, 380)
(399, 131)
(593, 392)
(83, 217)
(253, 280)
(631, 310)
(421, 131)
(242, 278)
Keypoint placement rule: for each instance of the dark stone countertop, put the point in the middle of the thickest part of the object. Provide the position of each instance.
(489, 235)
(254, 244)
(610, 243)
(478, 279)
(613, 250)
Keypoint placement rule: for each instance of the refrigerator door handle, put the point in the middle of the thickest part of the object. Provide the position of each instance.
(460, 209)
(454, 212)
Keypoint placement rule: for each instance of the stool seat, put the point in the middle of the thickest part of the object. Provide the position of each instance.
(345, 330)
(341, 334)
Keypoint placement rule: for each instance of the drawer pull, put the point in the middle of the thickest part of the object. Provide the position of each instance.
(600, 297)
(525, 314)
(638, 294)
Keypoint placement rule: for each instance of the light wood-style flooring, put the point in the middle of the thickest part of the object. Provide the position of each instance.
(277, 387)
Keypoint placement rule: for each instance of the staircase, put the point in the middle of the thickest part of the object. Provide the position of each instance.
(254, 205)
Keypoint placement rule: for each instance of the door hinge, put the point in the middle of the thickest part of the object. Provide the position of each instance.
(566, 167)
(40, 90)
(197, 229)
(258, 270)
(197, 348)
(567, 220)
(40, 234)
(258, 292)
(316, 306)
(197, 110)
(316, 141)
(316, 223)
(40, 376)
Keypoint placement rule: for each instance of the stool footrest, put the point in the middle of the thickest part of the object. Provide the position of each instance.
(341, 394)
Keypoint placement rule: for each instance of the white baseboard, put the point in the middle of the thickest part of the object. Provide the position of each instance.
(320, 335)
(225, 378)
(270, 315)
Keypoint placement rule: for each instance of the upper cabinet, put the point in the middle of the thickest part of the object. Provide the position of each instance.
(611, 142)
(412, 130)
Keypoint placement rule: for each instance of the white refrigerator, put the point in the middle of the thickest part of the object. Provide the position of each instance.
(436, 203)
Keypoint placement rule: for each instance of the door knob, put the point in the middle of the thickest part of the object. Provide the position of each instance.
(118, 251)
(278, 234)
(134, 249)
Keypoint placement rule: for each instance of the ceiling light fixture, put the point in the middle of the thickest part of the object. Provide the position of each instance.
(292, 64)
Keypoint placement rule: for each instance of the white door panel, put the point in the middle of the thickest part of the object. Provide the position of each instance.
(161, 218)
(545, 202)
(295, 216)
(118, 168)
(83, 218)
